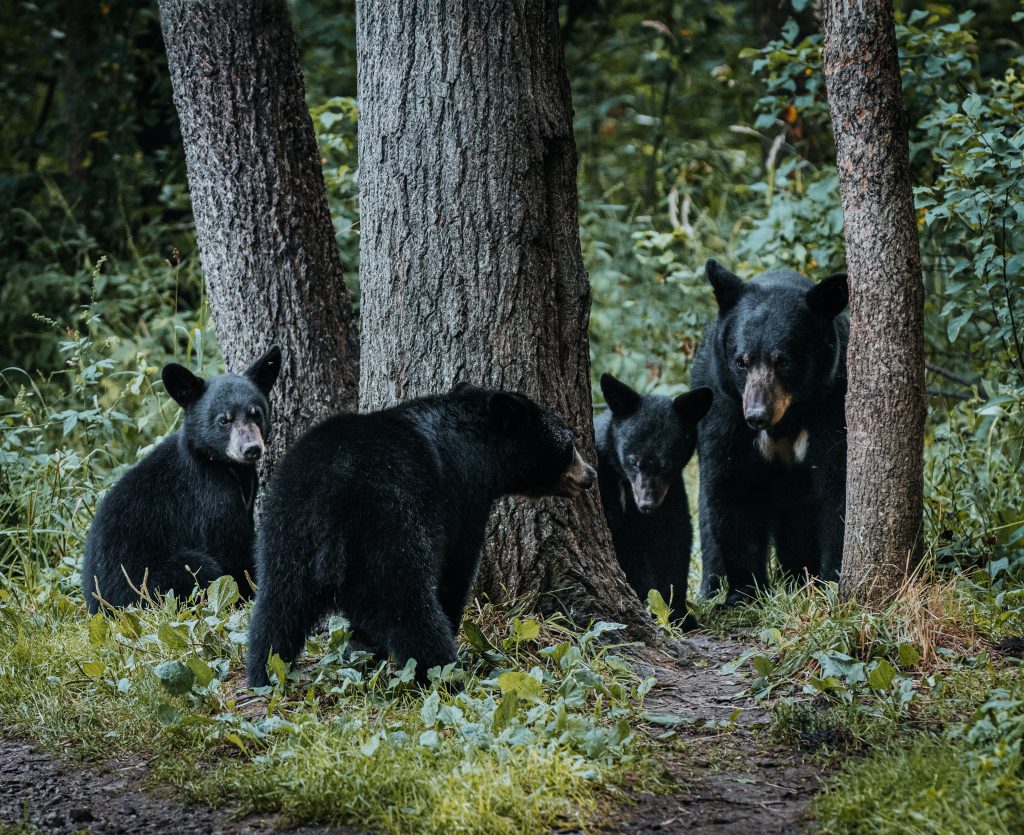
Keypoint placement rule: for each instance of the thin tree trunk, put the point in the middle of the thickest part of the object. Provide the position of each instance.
(470, 262)
(885, 402)
(264, 230)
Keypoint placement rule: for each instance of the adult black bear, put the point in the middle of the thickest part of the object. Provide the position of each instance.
(382, 517)
(643, 443)
(773, 447)
(186, 508)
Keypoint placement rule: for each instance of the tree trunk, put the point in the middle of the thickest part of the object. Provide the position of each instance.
(264, 231)
(885, 403)
(470, 262)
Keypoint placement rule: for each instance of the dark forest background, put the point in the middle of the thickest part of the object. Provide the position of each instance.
(702, 131)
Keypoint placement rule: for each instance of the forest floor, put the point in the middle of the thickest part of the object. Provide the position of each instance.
(724, 774)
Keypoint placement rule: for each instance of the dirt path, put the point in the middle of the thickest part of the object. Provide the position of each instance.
(729, 778)
(41, 793)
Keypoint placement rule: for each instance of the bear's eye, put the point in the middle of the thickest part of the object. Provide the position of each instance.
(632, 462)
(224, 420)
(741, 361)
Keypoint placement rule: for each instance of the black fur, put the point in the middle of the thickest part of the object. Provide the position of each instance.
(643, 443)
(778, 339)
(382, 517)
(187, 507)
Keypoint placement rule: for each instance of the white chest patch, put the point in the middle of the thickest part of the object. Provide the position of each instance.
(783, 450)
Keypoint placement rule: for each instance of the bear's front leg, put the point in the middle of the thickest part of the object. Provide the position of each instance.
(733, 541)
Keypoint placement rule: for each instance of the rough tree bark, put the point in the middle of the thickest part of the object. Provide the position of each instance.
(271, 263)
(885, 403)
(470, 262)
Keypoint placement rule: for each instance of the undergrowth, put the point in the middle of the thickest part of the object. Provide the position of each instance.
(527, 733)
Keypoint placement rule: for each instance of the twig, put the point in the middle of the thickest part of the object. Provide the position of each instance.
(957, 378)
(954, 395)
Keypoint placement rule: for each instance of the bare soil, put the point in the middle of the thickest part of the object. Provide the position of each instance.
(724, 773)
(728, 776)
(43, 793)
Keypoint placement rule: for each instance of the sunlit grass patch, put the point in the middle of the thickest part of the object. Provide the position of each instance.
(927, 786)
(531, 732)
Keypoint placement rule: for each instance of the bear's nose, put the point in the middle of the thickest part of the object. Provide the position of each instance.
(253, 452)
(757, 418)
(589, 477)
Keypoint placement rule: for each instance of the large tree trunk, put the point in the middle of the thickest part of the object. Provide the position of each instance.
(470, 262)
(265, 237)
(885, 403)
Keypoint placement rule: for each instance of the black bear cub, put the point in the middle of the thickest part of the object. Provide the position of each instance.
(773, 447)
(186, 508)
(382, 517)
(643, 443)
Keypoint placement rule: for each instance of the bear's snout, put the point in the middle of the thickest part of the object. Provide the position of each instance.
(246, 444)
(579, 478)
(765, 401)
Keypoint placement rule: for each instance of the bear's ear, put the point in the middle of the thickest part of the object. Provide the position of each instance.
(829, 297)
(181, 384)
(693, 405)
(264, 371)
(507, 413)
(727, 286)
(461, 388)
(621, 399)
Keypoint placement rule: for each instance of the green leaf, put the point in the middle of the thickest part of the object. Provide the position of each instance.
(908, 656)
(763, 665)
(222, 593)
(369, 748)
(94, 669)
(176, 678)
(173, 637)
(524, 630)
(525, 685)
(658, 607)
(278, 669)
(99, 628)
(201, 670)
(956, 324)
(476, 638)
(505, 711)
(236, 740)
(168, 715)
(881, 675)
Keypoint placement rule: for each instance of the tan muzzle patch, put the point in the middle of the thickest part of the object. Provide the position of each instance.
(765, 401)
(246, 444)
(578, 477)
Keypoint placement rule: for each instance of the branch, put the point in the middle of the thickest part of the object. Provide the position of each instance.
(958, 378)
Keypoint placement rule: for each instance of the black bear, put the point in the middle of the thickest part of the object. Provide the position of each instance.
(382, 517)
(643, 443)
(773, 447)
(186, 509)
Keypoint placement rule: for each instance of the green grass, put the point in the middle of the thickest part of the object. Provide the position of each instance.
(926, 786)
(534, 736)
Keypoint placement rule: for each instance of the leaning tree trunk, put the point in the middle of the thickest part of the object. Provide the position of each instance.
(265, 236)
(470, 262)
(885, 403)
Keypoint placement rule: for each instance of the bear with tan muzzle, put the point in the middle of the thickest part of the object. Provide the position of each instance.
(773, 447)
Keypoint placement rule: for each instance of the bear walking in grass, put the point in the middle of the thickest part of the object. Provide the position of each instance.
(382, 517)
(643, 443)
(184, 513)
(773, 447)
